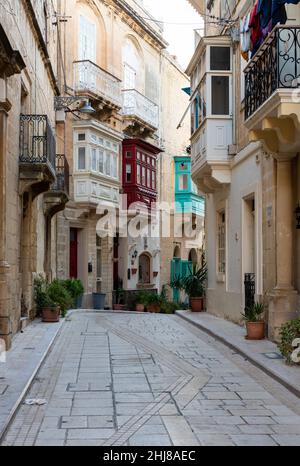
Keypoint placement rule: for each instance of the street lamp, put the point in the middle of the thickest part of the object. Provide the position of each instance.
(64, 103)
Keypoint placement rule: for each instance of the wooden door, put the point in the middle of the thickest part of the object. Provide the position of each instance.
(73, 253)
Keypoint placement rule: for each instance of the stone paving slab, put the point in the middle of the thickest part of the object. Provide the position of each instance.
(234, 336)
(22, 363)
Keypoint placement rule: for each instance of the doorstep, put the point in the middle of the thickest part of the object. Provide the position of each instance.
(29, 350)
(264, 354)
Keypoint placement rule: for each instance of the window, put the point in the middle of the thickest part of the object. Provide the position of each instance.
(149, 178)
(101, 161)
(221, 243)
(220, 95)
(128, 154)
(220, 58)
(81, 158)
(108, 164)
(81, 137)
(153, 180)
(143, 176)
(128, 173)
(143, 158)
(138, 155)
(183, 182)
(114, 166)
(138, 174)
(183, 167)
(87, 40)
(94, 160)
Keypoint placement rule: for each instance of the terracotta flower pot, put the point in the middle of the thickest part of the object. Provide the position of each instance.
(50, 314)
(154, 308)
(255, 330)
(119, 307)
(140, 307)
(197, 304)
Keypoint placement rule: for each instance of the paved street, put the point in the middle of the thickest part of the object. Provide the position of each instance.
(147, 379)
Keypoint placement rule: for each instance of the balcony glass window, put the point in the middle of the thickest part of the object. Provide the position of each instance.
(128, 154)
(128, 173)
(138, 174)
(101, 161)
(143, 176)
(149, 178)
(94, 160)
(220, 58)
(81, 158)
(183, 182)
(153, 180)
(81, 137)
(114, 166)
(220, 95)
(138, 155)
(108, 164)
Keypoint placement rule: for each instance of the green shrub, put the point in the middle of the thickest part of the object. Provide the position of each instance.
(288, 333)
(60, 295)
(42, 297)
(74, 287)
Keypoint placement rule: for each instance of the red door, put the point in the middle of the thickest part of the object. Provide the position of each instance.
(73, 253)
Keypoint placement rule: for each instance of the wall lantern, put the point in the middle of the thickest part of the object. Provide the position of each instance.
(297, 214)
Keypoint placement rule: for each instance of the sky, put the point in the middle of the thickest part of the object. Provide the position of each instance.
(180, 36)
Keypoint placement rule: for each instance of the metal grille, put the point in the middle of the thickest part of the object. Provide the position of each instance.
(37, 141)
(275, 66)
(62, 174)
(249, 291)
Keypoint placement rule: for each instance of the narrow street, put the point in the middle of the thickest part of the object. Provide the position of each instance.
(148, 379)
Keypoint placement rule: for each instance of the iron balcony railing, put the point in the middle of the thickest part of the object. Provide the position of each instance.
(37, 140)
(276, 65)
(136, 104)
(62, 182)
(89, 77)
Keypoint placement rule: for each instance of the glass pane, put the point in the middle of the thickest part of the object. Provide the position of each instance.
(153, 180)
(220, 58)
(128, 173)
(220, 95)
(138, 174)
(101, 161)
(81, 137)
(183, 182)
(108, 164)
(94, 160)
(143, 176)
(128, 154)
(149, 178)
(81, 158)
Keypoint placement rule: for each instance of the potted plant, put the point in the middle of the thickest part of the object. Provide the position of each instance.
(45, 305)
(155, 301)
(76, 290)
(120, 298)
(60, 295)
(254, 322)
(141, 301)
(194, 286)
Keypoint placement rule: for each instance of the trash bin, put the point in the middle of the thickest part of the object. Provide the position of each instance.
(99, 301)
(78, 302)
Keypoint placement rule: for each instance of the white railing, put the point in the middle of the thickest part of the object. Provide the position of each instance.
(136, 104)
(89, 77)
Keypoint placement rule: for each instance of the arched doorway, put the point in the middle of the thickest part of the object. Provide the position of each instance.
(193, 258)
(144, 269)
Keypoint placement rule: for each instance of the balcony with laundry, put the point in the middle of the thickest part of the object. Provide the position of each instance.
(272, 80)
(211, 110)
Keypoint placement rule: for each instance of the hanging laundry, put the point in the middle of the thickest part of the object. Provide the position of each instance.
(279, 15)
(245, 36)
(256, 34)
(264, 10)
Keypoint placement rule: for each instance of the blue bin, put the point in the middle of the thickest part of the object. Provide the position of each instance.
(78, 302)
(99, 301)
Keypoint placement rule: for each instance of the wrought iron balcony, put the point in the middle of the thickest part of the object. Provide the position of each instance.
(90, 78)
(62, 182)
(137, 106)
(275, 66)
(37, 141)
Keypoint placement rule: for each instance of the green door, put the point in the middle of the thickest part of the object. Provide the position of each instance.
(175, 273)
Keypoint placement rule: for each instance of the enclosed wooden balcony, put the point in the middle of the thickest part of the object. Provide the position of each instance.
(272, 86)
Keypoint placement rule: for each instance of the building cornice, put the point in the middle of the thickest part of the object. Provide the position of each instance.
(139, 24)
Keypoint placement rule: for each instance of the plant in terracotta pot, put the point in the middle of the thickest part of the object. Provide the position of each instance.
(45, 305)
(254, 322)
(141, 301)
(155, 301)
(194, 287)
(60, 295)
(120, 298)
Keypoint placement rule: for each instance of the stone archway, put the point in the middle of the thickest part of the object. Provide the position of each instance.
(145, 269)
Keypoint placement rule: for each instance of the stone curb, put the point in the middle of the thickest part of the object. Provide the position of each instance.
(251, 358)
(29, 382)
